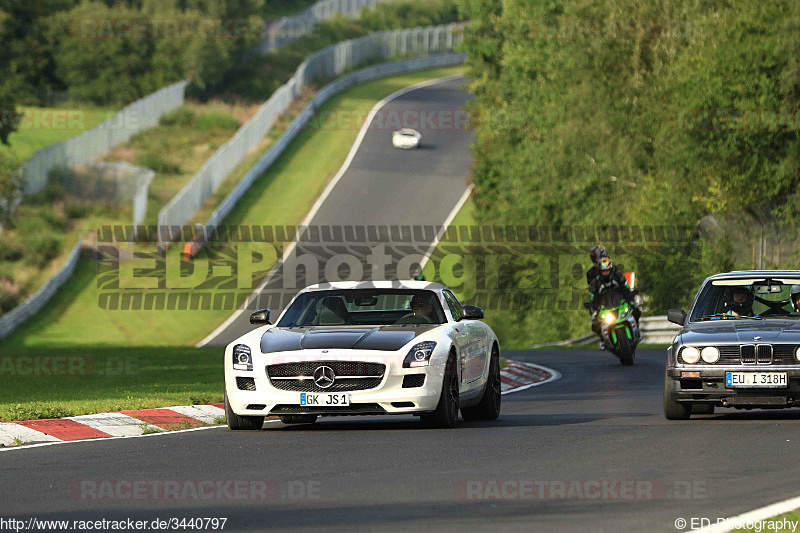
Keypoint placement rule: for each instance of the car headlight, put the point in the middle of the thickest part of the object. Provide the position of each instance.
(709, 354)
(419, 355)
(609, 318)
(797, 353)
(242, 357)
(690, 355)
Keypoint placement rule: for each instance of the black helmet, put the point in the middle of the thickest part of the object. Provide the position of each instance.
(794, 295)
(598, 252)
(744, 307)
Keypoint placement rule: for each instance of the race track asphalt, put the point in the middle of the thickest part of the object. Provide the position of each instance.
(384, 187)
(601, 425)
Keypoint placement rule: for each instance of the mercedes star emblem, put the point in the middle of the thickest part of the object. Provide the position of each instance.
(324, 377)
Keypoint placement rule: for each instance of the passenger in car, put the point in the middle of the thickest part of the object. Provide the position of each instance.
(794, 296)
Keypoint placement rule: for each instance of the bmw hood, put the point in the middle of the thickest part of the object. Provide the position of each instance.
(382, 338)
(743, 331)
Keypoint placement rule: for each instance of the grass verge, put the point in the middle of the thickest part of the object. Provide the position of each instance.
(47, 383)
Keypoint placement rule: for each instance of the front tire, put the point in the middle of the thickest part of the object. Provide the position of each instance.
(673, 409)
(489, 406)
(236, 422)
(446, 412)
(626, 353)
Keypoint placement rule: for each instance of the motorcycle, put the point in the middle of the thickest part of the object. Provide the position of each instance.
(618, 327)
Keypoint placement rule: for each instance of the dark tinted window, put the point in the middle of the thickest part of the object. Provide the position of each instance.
(454, 305)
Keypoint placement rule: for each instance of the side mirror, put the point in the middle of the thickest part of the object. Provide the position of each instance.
(676, 316)
(472, 312)
(260, 317)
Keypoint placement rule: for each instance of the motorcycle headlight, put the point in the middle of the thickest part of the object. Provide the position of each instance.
(709, 354)
(242, 357)
(419, 355)
(690, 355)
(609, 318)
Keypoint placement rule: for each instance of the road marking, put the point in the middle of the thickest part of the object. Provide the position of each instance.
(205, 413)
(555, 375)
(9, 432)
(115, 424)
(325, 193)
(757, 515)
(160, 434)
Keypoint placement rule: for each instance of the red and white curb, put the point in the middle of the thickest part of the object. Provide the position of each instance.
(515, 377)
(519, 376)
(130, 423)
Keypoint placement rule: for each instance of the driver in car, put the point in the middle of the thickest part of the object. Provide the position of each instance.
(740, 301)
(422, 306)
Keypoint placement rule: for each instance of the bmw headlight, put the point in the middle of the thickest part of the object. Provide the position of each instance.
(797, 353)
(690, 355)
(419, 355)
(242, 357)
(709, 354)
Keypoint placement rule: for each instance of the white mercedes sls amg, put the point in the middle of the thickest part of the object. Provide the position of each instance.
(365, 348)
(406, 139)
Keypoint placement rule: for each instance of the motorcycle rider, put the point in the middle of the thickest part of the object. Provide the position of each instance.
(740, 301)
(610, 279)
(598, 252)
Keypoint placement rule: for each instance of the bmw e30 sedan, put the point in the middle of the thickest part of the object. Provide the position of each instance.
(739, 346)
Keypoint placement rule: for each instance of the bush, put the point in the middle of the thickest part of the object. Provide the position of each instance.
(40, 249)
(155, 162)
(214, 119)
(183, 116)
(11, 251)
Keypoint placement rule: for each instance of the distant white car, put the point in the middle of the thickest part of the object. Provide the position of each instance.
(406, 139)
(365, 348)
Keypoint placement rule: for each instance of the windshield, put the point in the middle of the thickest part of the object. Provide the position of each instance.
(730, 299)
(363, 307)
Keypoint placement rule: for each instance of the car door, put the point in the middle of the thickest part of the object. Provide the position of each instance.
(471, 359)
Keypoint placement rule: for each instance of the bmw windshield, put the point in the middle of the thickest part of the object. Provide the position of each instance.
(746, 298)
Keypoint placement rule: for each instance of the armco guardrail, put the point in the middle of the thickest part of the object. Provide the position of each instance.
(655, 330)
(17, 316)
(658, 330)
(90, 144)
(288, 29)
(329, 62)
